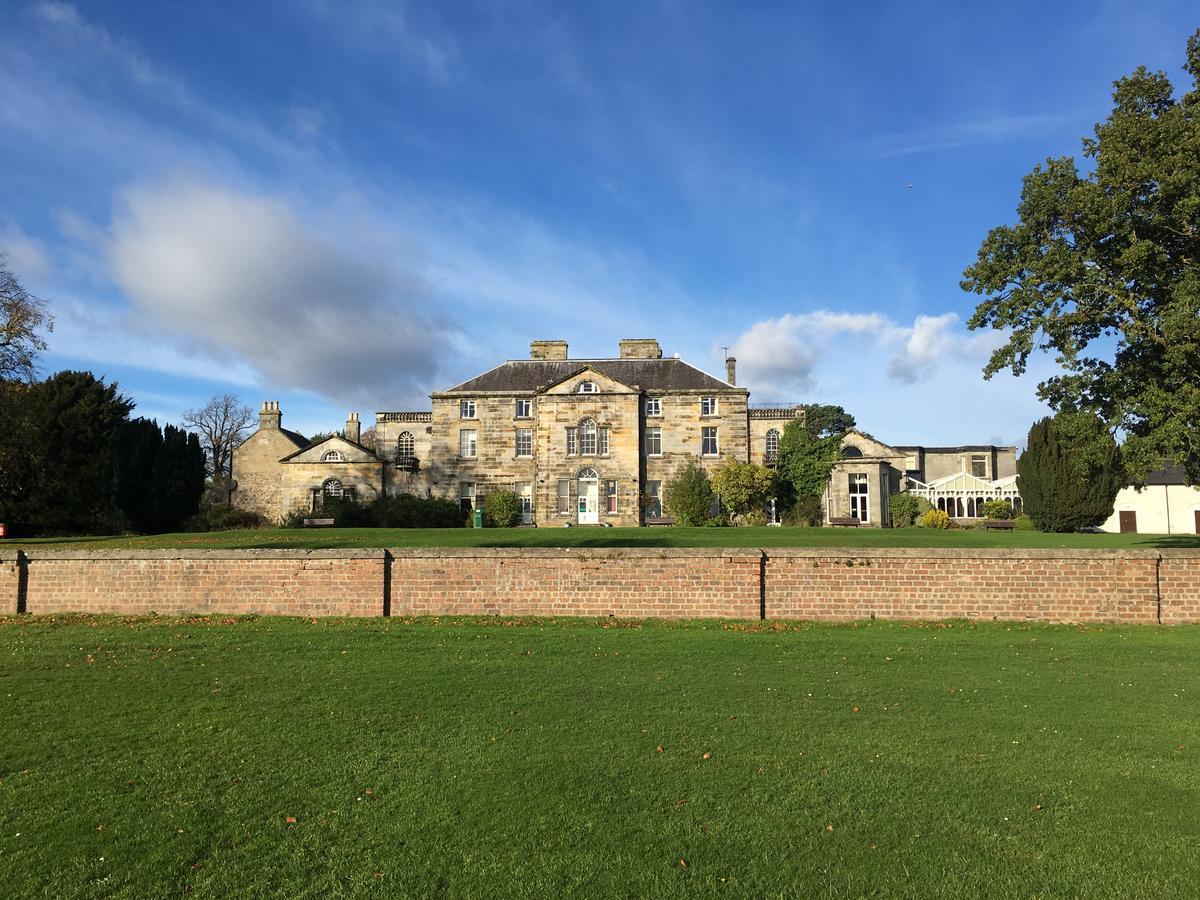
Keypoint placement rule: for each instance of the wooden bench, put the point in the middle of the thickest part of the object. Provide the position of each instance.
(318, 523)
(844, 521)
(999, 524)
(659, 520)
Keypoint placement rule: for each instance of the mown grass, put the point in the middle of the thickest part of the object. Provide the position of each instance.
(285, 757)
(613, 537)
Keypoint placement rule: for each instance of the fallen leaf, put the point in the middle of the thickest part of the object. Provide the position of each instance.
(291, 820)
(658, 749)
(855, 709)
(682, 863)
(707, 756)
(829, 828)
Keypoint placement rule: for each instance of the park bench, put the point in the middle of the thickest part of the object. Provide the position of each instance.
(999, 525)
(844, 521)
(659, 520)
(318, 523)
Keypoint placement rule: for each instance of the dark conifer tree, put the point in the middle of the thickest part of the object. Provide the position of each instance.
(1070, 473)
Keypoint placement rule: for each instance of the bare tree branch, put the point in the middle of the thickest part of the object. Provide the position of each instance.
(23, 318)
(222, 424)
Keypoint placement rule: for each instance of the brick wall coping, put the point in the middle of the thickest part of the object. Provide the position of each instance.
(243, 554)
(577, 552)
(817, 553)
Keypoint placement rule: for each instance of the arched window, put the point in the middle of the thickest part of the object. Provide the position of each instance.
(970, 507)
(587, 387)
(587, 436)
(406, 445)
(332, 489)
(851, 452)
(333, 456)
(772, 444)
(587, 473)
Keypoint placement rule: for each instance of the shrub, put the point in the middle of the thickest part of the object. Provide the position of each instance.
(501, 509)
(1070, 472)
(743, 489)
(805, 512)
(935, 518)
(1023, 523)
(223, 518)
(399, 511)
(906, 508)
(997, 509)
(689, 496)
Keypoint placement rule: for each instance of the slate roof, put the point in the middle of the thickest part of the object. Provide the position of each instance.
(530, 375)
(966, 448)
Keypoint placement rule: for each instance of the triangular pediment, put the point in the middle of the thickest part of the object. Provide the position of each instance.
(965, 481)
(605, 384)
(868, 446)
(346, 449)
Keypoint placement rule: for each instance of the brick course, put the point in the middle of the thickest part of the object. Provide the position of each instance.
(1127, 586)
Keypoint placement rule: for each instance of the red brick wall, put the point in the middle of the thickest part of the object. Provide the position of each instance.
(1179, 586)
(637, 583)
(274, 582)
(829, 584)
(1053, 586)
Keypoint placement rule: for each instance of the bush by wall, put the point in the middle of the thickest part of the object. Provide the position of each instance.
(935, 518)
(501, 509)
(689, 496)
(399, 511)
(906, 508)
(997, 509)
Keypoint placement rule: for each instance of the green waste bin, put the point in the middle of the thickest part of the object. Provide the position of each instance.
(477, 518)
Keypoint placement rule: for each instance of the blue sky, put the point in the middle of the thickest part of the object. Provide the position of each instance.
(345, 206)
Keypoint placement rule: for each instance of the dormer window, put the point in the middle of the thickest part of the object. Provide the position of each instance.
(333, 456)
(587, 387)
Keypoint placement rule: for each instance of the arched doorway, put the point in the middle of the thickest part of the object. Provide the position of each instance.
(589, 496)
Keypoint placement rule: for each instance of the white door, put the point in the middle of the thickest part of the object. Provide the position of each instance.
(526, 497)
(589, 501)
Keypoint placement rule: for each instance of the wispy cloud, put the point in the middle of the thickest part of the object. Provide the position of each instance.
(965, 134)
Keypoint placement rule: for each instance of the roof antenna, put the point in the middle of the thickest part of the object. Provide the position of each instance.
(726, 349)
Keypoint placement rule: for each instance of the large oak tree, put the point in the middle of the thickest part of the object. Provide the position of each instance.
(1103, 270)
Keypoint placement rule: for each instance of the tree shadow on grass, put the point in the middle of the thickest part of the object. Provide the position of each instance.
(1170, 542)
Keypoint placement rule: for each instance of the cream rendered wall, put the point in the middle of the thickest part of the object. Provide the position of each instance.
(1161, 509)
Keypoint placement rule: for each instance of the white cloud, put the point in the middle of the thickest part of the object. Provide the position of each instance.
(243, 275)
(970, 133)
(25, 256)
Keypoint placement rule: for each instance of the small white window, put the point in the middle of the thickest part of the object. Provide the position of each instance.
(332, 488)
(466, 496)
(708, 406)
(708, 441)
(653, 499)
(564, 497)
(654, 406)
(587, 387)
(979, 465)
(406, 445)
(467, 446)
(910, 463)
(524, 442)
(572, 442)
(524, 409)
(654, 441)
(603, 442)
(466, 409)
(333, 456)
(525, 495)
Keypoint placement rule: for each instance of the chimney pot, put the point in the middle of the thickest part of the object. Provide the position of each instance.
(269, 417)
(731, 369)
(353, 428)
(640, 348)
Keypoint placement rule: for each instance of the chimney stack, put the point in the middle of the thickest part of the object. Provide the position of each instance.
(731, 370)
(640, 348)
(353, 428)
(548, 350)
(269, 417)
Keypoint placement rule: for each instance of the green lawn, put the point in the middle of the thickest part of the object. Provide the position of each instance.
(143, 758)
(617, 537)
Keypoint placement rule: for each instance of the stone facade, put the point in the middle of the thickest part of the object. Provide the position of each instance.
(581, 442)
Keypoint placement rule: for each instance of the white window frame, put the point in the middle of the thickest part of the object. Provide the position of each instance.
(333, 456)
(587, 387)
(406, 444)
(467, 409)
(709, 406)
(602, 441)
(572, 441)
(980, 457)
(716, 441)
(525, 499)
(654, 432)
(653, 407)
(860, 500)
(527, 434)
(564, 496)
(771, 453)
(466, 444)
(654, 495)
(523, 408)
(612, 504)
(588, 437)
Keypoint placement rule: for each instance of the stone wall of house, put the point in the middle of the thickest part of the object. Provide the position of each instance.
(299, 480)
(259, 474)
(828, 584)
(760, 423)
(682, 431)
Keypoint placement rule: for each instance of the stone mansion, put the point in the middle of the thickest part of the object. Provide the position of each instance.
(589, 442)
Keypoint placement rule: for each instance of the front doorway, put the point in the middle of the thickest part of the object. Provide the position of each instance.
(1128, 519)
(860, 497)
(589, 497)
